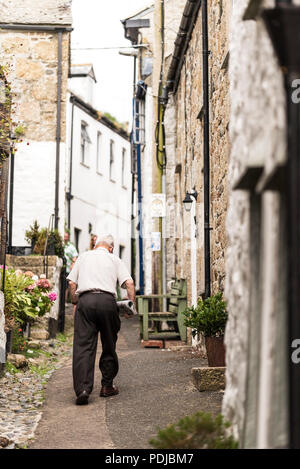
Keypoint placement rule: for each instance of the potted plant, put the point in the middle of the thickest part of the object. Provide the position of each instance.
(209, 317)
(32, 235)
(40, 236)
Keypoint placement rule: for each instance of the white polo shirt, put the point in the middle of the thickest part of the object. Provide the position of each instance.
(98, 269)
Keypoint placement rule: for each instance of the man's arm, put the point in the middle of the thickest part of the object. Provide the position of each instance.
(74, 297)
(129, 285)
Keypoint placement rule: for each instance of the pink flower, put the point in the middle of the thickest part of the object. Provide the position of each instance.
(52, 296)
(28, 273)
(43, 283)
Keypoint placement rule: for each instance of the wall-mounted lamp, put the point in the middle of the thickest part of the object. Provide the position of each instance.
(188, 200)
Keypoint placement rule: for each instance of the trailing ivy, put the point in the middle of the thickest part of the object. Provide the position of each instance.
(10, 131)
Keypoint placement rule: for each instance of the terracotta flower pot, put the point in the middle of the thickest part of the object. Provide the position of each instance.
(215, 349)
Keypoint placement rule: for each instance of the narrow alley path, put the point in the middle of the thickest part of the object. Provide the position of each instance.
(155, 390)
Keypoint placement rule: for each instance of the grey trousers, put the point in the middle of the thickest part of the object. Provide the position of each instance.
(95, 312)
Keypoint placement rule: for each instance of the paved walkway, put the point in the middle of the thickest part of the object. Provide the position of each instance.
(155, 390)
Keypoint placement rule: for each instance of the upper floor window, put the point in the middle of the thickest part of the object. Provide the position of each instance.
(84, 144)
(112, 161)
(98, 157)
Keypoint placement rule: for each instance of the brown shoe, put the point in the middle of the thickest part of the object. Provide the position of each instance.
(107, 391)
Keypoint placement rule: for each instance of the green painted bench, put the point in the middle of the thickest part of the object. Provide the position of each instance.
(151, 321)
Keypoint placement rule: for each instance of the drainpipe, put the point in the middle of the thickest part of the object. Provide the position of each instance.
(69, 194)
(133, 244)
(11, 201)
(206, 149)
(140, 198)
(58, 126)
(194, 292)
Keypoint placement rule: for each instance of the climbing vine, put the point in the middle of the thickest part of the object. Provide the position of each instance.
(5, 115)
(10, 131)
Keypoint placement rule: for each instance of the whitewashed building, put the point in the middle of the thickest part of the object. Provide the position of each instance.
(34, 44)
(98, 170)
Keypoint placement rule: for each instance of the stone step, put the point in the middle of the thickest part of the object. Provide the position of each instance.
(209, 378)
(39, 334)
(18, 360)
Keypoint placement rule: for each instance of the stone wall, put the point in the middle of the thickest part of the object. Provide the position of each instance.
(188, 160)
(255, 396)
(31, 61)
(36, 11)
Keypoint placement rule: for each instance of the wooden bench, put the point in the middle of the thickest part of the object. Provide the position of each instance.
(151, 321)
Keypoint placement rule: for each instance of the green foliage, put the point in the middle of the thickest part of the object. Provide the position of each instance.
(32, 235)
(114, 120)
(209, 316)
(10, 368)
(41, 370)
(199, 431)
(5, 115)
(37, 237)
(60, 337)
(19, 130)
(19, 343)
(17, 301)
(25, 300)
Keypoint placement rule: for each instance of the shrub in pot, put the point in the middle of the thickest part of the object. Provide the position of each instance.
(209, 317)
(38, 237)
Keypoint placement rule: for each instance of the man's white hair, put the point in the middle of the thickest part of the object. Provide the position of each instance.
(106, 240)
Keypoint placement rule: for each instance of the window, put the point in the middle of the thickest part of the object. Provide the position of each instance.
(112, 161)
(124, 167)
(84, 144)
(98, 160)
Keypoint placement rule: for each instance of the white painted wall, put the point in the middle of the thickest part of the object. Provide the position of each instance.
(98, 200)
(34, 187)
(83, 87)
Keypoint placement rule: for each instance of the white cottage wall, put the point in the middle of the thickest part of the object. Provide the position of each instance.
(34, 187)
(99, 200)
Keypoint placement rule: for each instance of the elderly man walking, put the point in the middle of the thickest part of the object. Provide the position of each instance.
(93, 282)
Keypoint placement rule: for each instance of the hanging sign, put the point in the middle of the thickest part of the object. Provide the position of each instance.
(155, 241)
(158, 205)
